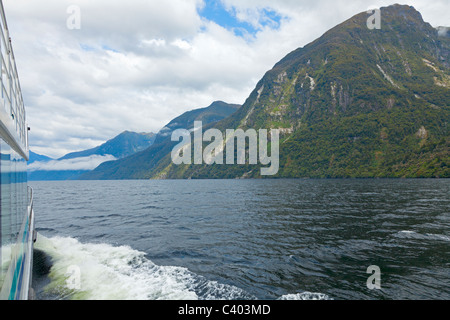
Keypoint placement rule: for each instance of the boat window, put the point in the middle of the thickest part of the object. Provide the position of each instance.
(13, 202)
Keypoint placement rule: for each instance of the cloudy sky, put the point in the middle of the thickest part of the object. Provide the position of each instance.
(136, 64)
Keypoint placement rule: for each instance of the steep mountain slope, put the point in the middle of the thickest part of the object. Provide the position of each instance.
(217, 111)
(354, 103)
(139, 164)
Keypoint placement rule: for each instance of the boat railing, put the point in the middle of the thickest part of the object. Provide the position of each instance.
(30, 198)
(30, 212)
(11, 94)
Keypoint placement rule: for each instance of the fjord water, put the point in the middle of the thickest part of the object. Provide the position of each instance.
(242, 239)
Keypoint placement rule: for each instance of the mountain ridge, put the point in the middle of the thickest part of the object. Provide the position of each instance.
(122, 145)
(353, 103)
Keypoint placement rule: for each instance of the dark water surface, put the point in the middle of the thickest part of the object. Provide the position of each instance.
(243, 239)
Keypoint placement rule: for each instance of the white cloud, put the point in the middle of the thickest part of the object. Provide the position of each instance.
(136, 65)
(84, 163)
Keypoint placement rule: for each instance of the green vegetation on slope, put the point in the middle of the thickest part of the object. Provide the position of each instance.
(354, 103)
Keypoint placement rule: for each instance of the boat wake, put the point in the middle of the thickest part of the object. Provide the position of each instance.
(104, 272)
(79, 271)
(306, 296)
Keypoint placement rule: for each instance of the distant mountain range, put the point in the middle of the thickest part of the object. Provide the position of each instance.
(138, 165)
(38, 157)
(357, 102)
(123, 145)
(72, 165)
(75, 164)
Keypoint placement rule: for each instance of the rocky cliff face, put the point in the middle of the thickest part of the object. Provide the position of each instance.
(351, 103)
(352, 69)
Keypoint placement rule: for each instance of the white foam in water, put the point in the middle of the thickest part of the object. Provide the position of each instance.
(306, 296)
(121, 273)
(419, 236)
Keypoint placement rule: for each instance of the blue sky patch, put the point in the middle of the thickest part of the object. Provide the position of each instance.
(214, 10)
(107, 48)
(86, 47)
